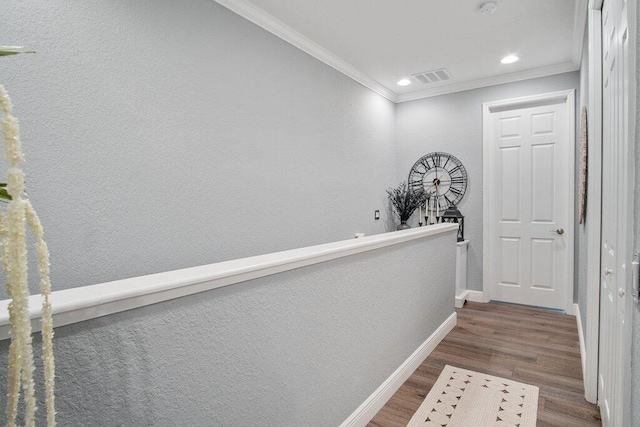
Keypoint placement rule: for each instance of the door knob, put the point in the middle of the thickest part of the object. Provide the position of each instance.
(621, 292)
(559, 231)
(608, 271)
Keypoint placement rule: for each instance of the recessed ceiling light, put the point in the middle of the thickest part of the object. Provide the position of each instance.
(404, 82)
(509, 59)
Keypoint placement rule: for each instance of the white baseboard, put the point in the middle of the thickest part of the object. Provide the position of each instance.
(477, 296)
(375, 402)
(583, 351)
(460, 299)
(474, 296)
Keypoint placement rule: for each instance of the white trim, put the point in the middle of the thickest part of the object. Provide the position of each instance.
(486, 197)
(461, 299)
(88, 302)
(594, 203)
(462, 254)
(567, 97)
(571, 111)
(375, 402)
(463, 243)
(627, 218)
(276, 27)
(583, 351)
(490, 81)
(595, 5)
(473, 296)
(562, 96)
(477, 296)
(579, 25)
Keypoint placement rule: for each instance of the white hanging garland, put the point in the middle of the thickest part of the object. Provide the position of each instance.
(13, 223)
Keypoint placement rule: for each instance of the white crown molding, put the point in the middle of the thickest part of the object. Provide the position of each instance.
(490, 81)
(579, 26)
(288, 34)
(259, 17)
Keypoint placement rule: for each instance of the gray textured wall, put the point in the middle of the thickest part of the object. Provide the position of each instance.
(581, 231)
(301, 348)
(161, 135)
(453, 123)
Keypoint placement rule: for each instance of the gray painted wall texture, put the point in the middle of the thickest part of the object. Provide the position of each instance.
(160, 136)
(453, 123)
(301, 348)
(153, 144)
(582, 231)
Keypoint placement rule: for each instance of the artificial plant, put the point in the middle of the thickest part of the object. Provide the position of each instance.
(14, 221)
(405, 201)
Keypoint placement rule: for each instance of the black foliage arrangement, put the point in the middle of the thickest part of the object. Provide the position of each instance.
(404, 201)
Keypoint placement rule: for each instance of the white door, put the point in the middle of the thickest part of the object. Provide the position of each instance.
(615, 298)
(608, 299)
(528, 188)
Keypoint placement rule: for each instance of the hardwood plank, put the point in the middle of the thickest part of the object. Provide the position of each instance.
(526, 344)
(531, 376)
(552, 368)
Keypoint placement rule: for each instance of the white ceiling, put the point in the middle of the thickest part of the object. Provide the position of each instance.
(378, 42)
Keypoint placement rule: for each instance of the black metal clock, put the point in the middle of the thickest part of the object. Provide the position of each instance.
(441, 176)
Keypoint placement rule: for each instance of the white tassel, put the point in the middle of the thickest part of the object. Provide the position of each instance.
(20, 212)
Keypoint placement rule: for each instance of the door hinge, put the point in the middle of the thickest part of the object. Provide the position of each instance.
(635, 274)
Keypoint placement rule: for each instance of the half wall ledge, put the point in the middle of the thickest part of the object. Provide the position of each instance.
(89, 302)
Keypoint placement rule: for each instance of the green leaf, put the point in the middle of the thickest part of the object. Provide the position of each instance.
(13, 50)
(4, 194)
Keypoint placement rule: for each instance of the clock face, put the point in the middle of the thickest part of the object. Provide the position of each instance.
(441, 176)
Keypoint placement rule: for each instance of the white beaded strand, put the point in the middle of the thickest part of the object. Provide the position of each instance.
(14, 260)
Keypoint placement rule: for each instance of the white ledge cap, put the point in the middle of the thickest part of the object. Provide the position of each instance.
(88, 302)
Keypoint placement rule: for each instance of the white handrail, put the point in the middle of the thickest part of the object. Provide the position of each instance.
(88, 302)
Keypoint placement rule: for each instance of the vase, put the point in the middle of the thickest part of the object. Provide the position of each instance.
(403, 225)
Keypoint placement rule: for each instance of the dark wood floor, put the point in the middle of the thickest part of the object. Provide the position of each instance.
(530, 345)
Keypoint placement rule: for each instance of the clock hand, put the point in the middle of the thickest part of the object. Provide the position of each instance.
(436, 181)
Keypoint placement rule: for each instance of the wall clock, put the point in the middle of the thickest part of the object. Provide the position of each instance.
(442, 177)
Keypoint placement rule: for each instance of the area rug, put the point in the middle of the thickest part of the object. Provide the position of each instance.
(466, 398)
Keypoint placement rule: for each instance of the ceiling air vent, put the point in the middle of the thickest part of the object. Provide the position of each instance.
(433, 76)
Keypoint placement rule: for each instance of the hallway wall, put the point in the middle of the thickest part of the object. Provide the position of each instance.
(453, 123)
(582, 230)
(301, 348)
(160, 137)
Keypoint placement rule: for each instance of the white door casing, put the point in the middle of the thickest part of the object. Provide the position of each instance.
(594, 202)
(528, 194)
(618, 87)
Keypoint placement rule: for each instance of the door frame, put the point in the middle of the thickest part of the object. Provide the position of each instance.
(594, 203)
(566, 97)
(628, 208)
